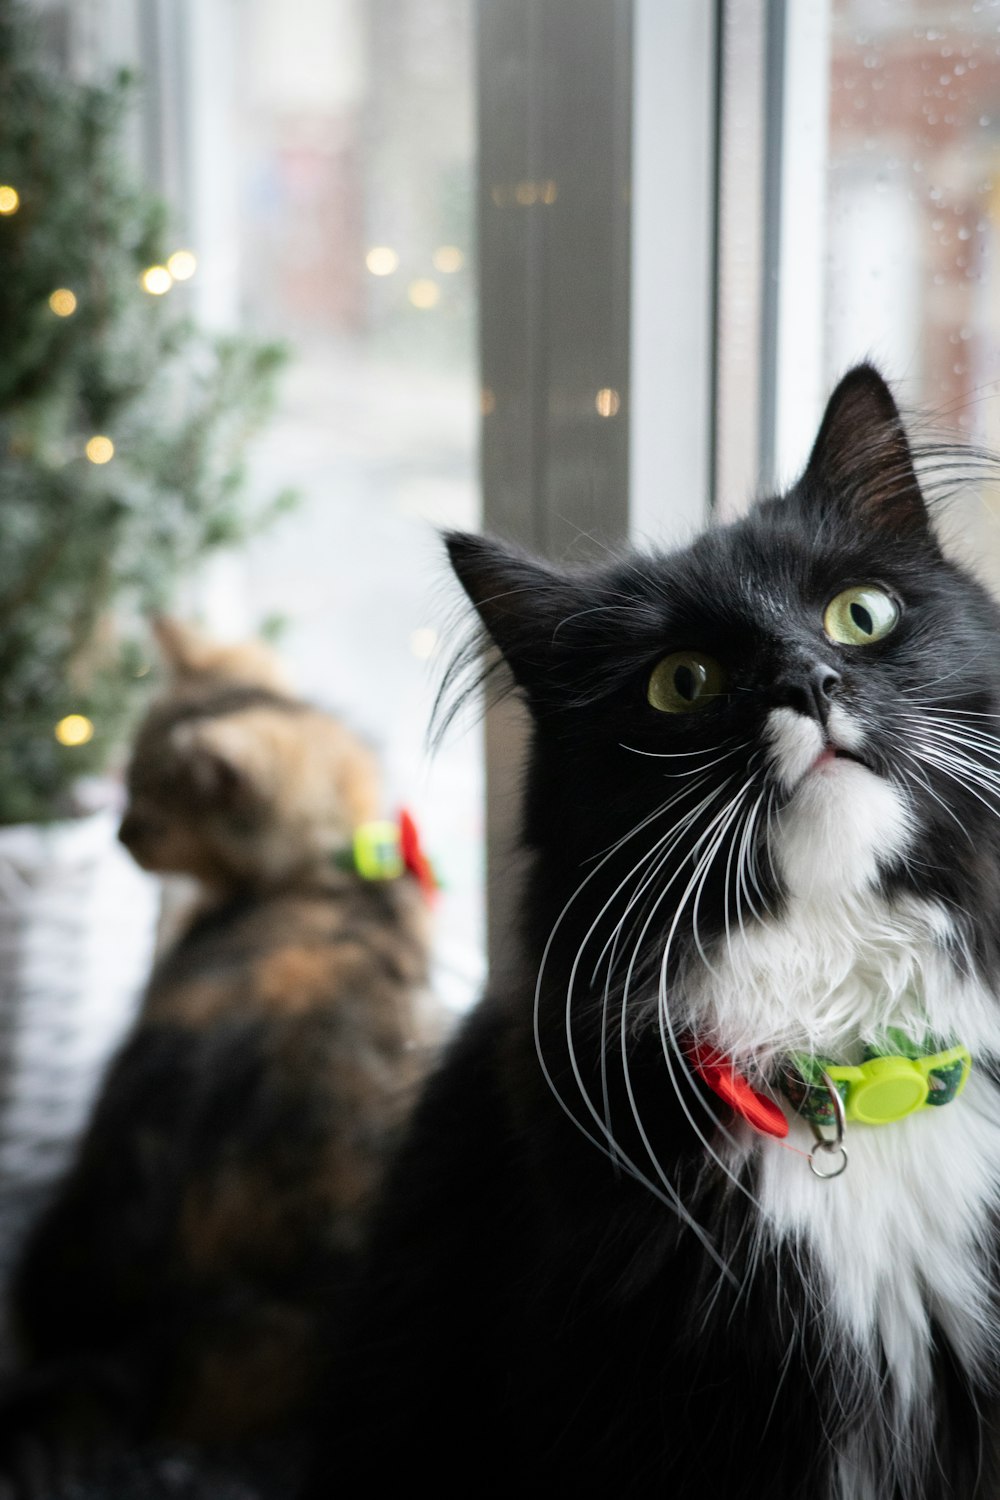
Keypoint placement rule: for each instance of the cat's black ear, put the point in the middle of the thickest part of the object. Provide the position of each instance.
(519, 599)
(861, 461)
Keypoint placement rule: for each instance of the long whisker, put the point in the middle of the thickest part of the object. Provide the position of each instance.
(683, 754)
(626, 1073)
(946, 676)
(674, 836)
(670, 840)
(670, 1044)
(602, 854)
(967, 782)
(922, 777)
(666, 1192)
(736, 807)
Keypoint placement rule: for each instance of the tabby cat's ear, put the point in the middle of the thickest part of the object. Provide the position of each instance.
(183, 648)
(861, 460)
(519, 599)
(195, 660)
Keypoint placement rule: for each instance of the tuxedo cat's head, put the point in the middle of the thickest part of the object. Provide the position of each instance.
(798, 706)
(234, 780)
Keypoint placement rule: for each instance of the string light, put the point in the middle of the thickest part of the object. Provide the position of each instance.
(182, 264)
(607, 401)
(63, 302)
(424, 293)
(74, 729)
(100, 449)
(448, 258)
(381, 260)
(156, 280)
(10, 199)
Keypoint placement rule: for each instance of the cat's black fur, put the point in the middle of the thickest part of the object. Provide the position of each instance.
(536, 1317)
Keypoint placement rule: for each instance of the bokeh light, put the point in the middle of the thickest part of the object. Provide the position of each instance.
(10, 199)
(100, 449)
(74, 729)
(182, 264)
(156, 280)
(381, 260)
(63, 302)
(424, 293)
(448, 259)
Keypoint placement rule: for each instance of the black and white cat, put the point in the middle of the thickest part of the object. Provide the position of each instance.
(761, 808)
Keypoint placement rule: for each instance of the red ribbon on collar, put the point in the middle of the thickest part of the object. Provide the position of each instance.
(414, 858)
(733, 1089)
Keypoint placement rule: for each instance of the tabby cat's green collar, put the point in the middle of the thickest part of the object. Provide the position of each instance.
(386, 850)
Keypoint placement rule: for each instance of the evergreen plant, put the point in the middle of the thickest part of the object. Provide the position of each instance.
(123, 427)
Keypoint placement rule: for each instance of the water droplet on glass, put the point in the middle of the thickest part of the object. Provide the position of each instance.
(965, 233)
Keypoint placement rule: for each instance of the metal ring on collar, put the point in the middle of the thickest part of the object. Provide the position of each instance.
(834, 1147)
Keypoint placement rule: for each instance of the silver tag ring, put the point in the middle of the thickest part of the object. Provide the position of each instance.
(834, 1147)
(828, 1148)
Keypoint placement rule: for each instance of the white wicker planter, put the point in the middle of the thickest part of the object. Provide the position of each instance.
(77, 931)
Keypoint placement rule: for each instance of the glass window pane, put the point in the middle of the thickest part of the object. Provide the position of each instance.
(353, 163)
(913, 213)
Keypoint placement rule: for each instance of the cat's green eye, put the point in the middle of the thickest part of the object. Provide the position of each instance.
(683, 681)
(860, 615)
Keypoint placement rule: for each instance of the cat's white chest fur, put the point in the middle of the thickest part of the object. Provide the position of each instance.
(896, 1253)
(902, 1235)
(900, 1241)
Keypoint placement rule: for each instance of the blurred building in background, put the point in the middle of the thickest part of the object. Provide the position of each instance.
(912, 271)
(858, 219)
(913, 192)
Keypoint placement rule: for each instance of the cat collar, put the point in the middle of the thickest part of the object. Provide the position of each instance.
(896, 1078)
(384, 850)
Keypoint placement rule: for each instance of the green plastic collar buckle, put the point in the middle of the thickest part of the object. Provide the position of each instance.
(893, 1081)
(375, 852)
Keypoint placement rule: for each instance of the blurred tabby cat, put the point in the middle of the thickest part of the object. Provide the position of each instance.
(170, 1289)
